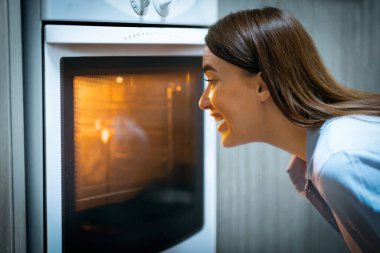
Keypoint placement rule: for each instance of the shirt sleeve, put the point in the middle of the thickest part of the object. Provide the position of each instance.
(350, 184)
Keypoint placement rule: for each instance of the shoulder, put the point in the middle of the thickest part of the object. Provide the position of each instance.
(349, 134)
(349, 183)
(345, 126)
(351, 167)
(345, 143)
(346, 168)
(351, 177)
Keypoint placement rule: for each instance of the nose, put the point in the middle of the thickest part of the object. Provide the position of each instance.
(204, 101)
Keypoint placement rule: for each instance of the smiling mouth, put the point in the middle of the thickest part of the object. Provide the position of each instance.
(217, 116)
(222, 126)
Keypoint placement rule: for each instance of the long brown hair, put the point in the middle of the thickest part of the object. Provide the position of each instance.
(274, 43)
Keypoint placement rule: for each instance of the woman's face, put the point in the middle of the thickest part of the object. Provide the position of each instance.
(234, 98)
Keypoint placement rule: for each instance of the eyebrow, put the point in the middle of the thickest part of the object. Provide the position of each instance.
(208, 67)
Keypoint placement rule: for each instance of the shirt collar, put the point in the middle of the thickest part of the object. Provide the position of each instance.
(300, 171)
(312, 135)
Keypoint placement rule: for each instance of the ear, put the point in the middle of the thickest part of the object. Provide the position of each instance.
(262, 89)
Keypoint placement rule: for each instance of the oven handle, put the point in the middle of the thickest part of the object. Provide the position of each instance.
(70, 34)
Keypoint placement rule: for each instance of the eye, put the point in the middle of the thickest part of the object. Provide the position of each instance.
(211, 82)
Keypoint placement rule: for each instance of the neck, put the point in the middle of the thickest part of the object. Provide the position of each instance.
(285, 135)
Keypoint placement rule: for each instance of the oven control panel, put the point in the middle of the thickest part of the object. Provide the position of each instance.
(141, 6)
(162, 7)
(166, 12)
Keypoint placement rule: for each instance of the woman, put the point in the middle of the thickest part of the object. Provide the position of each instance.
(267, 83)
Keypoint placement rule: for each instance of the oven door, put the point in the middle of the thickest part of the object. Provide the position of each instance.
(126, 153)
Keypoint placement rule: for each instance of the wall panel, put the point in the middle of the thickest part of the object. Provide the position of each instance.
(12, 169)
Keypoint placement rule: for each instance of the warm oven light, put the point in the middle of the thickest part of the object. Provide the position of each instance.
(105, 135)
(98, 124)
(119, 79)
(169, 92)
(188, 78)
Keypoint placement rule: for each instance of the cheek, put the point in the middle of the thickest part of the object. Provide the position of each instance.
(219, 100)
(233, 99)
(214, 97)
(242, 113)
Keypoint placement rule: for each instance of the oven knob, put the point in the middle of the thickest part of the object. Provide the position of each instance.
(140, 6)
(162, 7)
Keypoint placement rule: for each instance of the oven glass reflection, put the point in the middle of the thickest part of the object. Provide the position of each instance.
(133, 164)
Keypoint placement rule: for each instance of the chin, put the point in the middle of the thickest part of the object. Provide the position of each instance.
(228, 145)
(228, 141)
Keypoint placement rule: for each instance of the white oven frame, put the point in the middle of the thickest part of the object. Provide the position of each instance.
(75, 41)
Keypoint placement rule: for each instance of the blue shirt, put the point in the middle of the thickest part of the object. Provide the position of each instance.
(341, 177)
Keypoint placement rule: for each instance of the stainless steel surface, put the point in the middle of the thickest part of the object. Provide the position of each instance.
(174, 12)
(12, 163)
(170, 42)
(33, 120)
(113, 11)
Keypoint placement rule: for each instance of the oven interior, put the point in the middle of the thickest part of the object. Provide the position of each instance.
(132, 154)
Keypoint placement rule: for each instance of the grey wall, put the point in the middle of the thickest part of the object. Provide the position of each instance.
(258, 209)
(12, 179)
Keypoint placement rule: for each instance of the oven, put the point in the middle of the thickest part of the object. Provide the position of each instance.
(129, 165)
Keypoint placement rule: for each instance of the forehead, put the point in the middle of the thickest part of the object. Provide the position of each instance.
(210, 61)
(206, 53)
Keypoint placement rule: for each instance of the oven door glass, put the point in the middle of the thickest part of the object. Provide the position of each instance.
(132, 156)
